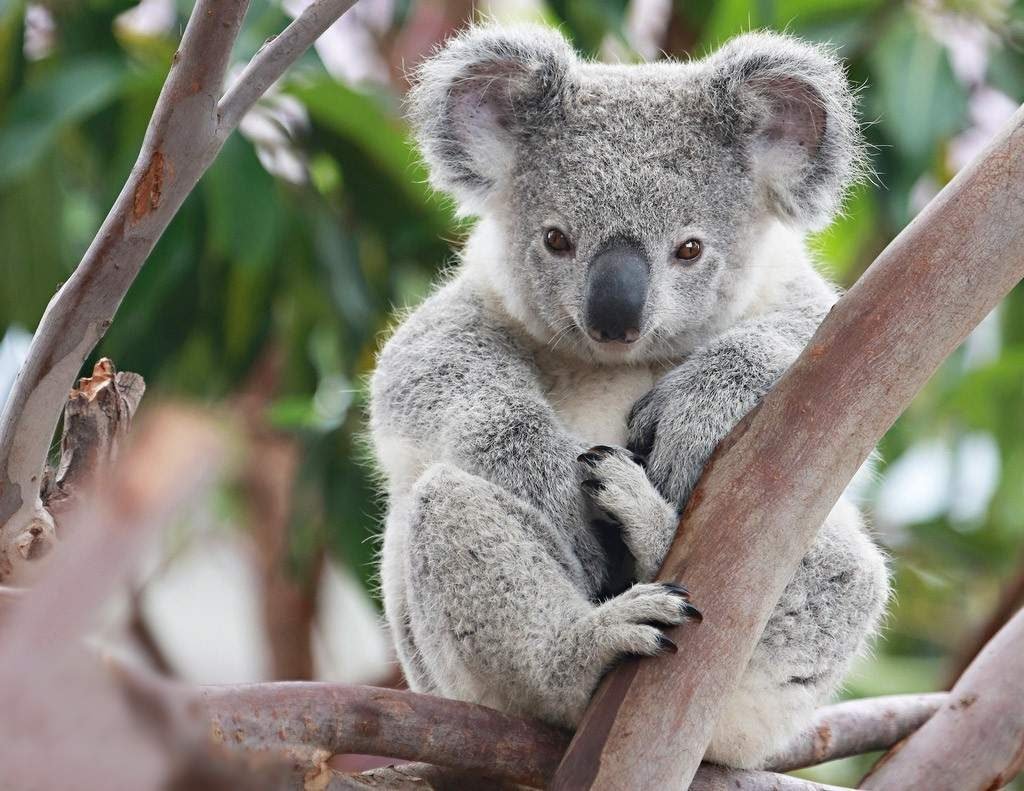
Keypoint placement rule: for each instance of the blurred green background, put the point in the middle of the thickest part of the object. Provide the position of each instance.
(315, 225)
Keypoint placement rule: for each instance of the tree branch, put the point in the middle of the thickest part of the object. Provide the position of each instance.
(426, 777)
(50, 688)
(855, 727)
(310, 722)
(718, 778)
(185, 134)
(976, 739)
(176, 150)
(277, 54)
(772, 482)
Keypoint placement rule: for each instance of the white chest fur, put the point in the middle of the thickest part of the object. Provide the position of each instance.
(594, 403)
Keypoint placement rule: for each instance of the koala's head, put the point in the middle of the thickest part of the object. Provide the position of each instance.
(629, 202)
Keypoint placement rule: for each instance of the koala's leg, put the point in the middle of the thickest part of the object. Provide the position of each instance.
(495, 603)
(618, 485)
(822, 622)
(393, 575)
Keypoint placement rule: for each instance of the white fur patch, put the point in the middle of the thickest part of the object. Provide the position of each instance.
(594, 403)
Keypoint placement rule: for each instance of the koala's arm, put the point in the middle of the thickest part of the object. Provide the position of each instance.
(681, 420)
(453, 385)
(836, 597)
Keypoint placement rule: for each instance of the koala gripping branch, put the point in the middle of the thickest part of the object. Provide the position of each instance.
(774, 479)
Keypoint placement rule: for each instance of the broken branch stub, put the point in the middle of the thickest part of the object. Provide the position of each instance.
(97, 418)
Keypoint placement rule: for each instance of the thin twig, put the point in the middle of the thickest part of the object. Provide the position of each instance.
(272, 61)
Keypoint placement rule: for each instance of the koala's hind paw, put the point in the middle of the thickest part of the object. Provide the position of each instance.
(618, 486)
(627, 625)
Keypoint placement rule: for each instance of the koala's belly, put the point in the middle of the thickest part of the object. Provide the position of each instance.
(594, 403)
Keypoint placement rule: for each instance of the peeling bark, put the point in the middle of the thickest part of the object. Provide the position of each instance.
(97, 418)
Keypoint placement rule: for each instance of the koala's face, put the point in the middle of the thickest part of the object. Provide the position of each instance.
(629, 199)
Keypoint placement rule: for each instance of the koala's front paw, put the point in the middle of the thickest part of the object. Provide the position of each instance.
(618, 486)
(667, 426)
(642, 422)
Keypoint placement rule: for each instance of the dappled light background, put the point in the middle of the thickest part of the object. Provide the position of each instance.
(271, 290)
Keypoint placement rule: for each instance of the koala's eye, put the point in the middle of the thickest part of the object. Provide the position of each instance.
(556, 241)
(689, 250)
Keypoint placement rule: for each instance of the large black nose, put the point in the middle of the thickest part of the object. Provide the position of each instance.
(616, 291)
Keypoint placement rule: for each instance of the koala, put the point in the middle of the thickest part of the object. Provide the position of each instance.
(636, 280)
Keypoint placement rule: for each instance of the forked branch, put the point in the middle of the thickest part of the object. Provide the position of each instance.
(188, 127)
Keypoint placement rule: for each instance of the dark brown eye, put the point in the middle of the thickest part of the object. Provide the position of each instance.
(689, 250)
(556, 241)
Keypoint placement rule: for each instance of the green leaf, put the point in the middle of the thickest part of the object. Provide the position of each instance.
(242, 206)
(42, 109)
(1006, 71)
(361, 120)
(729, 18)
(918, 101)
(587, 22)
(12, 59)
(843, 244)
(31, 267)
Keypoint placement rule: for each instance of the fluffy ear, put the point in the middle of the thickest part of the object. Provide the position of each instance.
(480, 91)
(790, 103)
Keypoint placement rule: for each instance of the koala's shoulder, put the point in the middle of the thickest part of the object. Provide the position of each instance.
(454, 329)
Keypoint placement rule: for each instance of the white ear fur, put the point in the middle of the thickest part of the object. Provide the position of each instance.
(472, 98)
(792, 103)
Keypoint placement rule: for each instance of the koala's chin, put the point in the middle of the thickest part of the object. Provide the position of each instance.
(636, 283)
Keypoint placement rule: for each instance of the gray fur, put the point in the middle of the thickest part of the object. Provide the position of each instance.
(499, 580)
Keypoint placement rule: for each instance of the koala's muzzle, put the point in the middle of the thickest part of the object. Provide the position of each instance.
(616, 291)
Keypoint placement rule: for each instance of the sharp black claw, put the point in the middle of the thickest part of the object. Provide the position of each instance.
(678, 590)
(602, 450)
(666, 646)
(592, 485)
(588, 458)
(693, 613)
